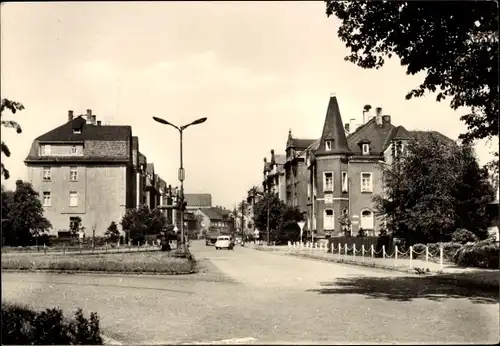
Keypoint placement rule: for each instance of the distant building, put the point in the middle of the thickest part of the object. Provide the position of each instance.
(198, 200)
(216, 219)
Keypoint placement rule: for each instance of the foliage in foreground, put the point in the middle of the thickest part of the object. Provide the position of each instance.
(23, 222)
(22, 326)
(13, 106)
(153, 262)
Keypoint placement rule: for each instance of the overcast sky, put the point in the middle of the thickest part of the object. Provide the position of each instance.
(255, 69)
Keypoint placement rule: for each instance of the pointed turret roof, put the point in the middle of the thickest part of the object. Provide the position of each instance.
(333, 130)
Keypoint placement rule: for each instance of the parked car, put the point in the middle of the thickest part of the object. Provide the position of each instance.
(224, 242)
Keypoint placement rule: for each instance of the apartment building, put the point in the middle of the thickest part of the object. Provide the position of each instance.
(89, 170)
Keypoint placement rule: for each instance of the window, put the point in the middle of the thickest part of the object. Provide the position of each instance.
(77, 131)
(73, 173)
(328, 181)
(46, 173)
(308, 190)
(73, 199)
(365, 149)
(45, 150)
(46, 199)
(74, 150)
(345, 183)
(366, 220)
(328, 145)
(366, 182)
(329, 220)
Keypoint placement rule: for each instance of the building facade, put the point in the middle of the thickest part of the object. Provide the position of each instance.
(296, 172)
(274, 175)
(89, 170)
(345, 171)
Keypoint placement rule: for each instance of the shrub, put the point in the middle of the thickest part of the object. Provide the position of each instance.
(449, 250)
(22, 326)
(484, 254)
(463, 236)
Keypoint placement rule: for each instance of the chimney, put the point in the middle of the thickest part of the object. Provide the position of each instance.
(98, 123)
(346, 127)
(265, 160)
(272, 155)
(386, 119)
(378, 116)
(94, 118)
(89, 116)
(70, 115)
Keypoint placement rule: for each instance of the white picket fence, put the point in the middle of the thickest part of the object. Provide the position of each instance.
(399, 258)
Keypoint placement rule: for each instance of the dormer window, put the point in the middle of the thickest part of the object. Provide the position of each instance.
(77, 131)
(365, 148)
(328, 145)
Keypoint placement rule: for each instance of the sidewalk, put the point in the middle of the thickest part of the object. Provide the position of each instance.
(450, 273)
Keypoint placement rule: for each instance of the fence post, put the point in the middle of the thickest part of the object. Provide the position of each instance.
(383, 251)
(333, 247)
(372, 250)
(411, 257)
(441, 257)
(426, 253)
(345, 251)
(326, 248)
(396, 256)
(353, 251)
(340, 251)
(362, 252)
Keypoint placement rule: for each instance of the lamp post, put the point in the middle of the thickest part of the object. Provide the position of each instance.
(181, 172)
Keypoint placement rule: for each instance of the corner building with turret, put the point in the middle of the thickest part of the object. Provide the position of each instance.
(343, 171)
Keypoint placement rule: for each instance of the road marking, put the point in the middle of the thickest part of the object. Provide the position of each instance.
(106, 340)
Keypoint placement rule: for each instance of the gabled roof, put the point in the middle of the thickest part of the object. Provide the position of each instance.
(150, 168)
(89, 132)
(212, 213)
(378, 136)
(198, 199)
(297, 143)
(333, 130)
(423, 134)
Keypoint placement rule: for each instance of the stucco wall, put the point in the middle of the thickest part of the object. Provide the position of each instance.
(360, 201)
(340, 199)
(101, 195)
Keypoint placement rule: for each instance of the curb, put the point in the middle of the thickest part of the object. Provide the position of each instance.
(449, 278)
(98, 272)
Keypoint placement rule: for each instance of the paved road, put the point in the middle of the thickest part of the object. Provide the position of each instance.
(258, 297)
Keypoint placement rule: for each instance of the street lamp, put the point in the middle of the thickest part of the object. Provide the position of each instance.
(181, 171)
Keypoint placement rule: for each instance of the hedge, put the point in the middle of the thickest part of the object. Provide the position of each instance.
(483, 254)
(23, 326)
